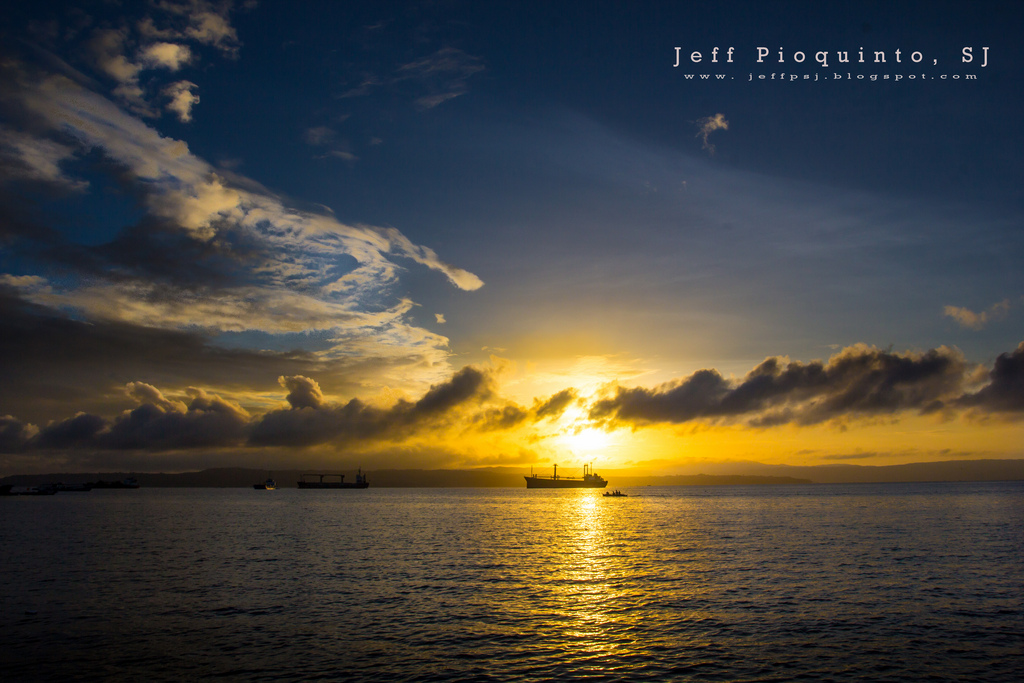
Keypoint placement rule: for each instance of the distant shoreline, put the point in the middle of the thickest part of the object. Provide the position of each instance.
(742, 474)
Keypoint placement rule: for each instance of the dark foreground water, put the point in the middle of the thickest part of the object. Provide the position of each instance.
(858, 582)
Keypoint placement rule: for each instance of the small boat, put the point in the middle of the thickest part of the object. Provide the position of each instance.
(268, 485)
(615, 494)
(589, 480)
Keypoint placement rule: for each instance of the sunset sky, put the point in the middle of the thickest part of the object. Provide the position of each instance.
(462, 234)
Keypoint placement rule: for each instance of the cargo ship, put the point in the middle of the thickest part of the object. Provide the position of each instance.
(360, 482)
(589, 480)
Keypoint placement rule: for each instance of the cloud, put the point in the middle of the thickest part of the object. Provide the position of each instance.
(182, 99)
(708, 125)
(303, 392)
(554, 406)
(325, 136)
(319, 135)
(170, 56)
(184, 190)
(212, 28)
(308, 424)
(133, 53)
(67, 364)
(431, 101)
(439, 317)
(15, 435)
(209, 421)
(147, 393)
(28, 158)
(198, 20)
(857, 382)
(977, 321)
(1005, 391)
(444, 74)
(107, 48)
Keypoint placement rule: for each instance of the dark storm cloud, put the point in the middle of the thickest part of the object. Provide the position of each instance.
(554, 406)
(859, 381)
(500, 419)
(467, 383)
(309, 422)
(150, 252)
(149, 427)
(303, 392)
(1005, 391)
(15, 435)
(62, 361)
(207, 422)
(79, 431)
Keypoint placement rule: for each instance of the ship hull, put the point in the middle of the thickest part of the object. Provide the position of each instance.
(592, 482)
(332, 485)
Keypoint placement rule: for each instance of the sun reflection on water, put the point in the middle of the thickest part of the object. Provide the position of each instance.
(587, 578)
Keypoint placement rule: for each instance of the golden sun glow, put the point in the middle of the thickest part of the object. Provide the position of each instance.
(576, 436)
(585, 441)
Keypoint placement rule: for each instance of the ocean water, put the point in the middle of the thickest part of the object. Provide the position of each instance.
(892, 582)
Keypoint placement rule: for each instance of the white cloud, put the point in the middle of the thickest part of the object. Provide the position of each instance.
(108, 52)
(182, 99)
(147, 393)
(107, 46)
(169, 56)
(208, 23)
(28, 283)
(977, 321)
(210, 28)
(294, 285)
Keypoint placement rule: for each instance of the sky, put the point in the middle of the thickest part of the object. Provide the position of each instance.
(452, 234)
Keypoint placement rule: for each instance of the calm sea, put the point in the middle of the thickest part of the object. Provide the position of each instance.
(889, 582)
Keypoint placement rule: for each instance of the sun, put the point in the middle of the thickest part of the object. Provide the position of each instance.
(585, 441)
(579, 437)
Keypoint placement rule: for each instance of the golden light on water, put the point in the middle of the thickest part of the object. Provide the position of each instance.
(588, 578)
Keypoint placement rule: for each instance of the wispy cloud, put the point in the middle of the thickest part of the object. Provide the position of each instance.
(26, 157)
(708, 125)
(977, 321)
(444, 74)
(214, 254)
(186, 190)
(326, 137)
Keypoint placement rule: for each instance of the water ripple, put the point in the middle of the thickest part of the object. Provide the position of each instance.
(823, 583)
